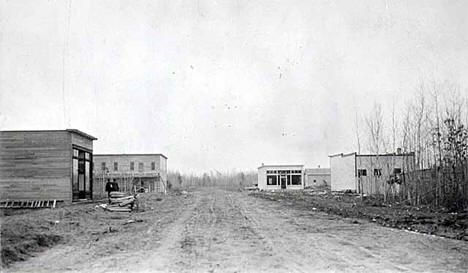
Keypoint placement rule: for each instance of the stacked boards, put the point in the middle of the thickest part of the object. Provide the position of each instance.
(121, 202)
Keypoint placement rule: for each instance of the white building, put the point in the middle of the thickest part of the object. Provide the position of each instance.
(317, 177)
(368, 173)
(274, 177)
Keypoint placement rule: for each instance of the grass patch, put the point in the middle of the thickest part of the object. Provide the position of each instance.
(21, 238)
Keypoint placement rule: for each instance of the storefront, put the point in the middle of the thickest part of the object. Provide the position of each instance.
(271, 177)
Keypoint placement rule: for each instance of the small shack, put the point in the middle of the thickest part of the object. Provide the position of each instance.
(46, 165)
(317, 178)
(275, 177)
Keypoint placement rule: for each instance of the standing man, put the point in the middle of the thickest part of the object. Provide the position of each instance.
(111, 186)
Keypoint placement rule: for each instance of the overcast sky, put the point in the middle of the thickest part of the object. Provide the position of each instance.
(221, 84)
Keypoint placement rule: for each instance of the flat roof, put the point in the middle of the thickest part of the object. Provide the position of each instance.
(341, 154)
(278, 165)
(391, 154)
(386, 154)
(130, 155)
(76, 131)
(317, 170)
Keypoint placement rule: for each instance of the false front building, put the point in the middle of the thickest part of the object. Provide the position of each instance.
(46, 165)
(370, 173)
(274, 177)
(146, 172)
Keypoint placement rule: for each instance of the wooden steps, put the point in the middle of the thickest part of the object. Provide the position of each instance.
(28, 204)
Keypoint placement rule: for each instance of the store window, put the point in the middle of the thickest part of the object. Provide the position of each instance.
(82, 184)
(272, 180)
(296, 180)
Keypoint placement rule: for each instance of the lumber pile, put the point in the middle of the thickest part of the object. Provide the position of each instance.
(121, 202)
(28, 204)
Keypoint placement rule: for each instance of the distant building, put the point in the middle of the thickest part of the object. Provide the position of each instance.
(273, 177)
(131, 171)
(46, 165)
(317, 177)
(368, 172)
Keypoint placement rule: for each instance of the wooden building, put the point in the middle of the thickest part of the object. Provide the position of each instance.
(369, 173)
(275, 177)
(131, 171)
(46, 165)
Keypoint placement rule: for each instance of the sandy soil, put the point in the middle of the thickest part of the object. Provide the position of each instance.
(225, 231)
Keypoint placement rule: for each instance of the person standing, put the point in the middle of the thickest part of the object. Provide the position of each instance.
(110, 187)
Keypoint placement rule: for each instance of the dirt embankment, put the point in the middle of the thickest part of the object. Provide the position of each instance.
(419, 219)
(83, 226)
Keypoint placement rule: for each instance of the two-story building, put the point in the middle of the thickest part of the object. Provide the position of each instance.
(131, 171)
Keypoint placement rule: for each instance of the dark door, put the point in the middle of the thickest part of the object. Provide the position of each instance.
(81, 176)
(283, 182)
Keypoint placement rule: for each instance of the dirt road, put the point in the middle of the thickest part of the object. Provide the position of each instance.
(223, 231)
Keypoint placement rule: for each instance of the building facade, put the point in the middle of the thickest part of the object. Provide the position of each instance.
(275, 177)
(131, 171)
(46, 165)
(370, 173)
(317, 178)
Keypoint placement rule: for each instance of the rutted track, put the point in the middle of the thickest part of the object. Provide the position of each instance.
(222, 231)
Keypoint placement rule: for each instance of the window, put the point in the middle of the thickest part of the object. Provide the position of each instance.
(272, 180)
(82, 186)
(378, 172)
(140, 167)
(296, 180)
(116, 166)
(153, 166)
(397, 170)
(132, 166)
(362, 172)
(103, 166)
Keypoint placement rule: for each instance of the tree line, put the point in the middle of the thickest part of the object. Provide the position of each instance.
(433, 126)
(232, 180)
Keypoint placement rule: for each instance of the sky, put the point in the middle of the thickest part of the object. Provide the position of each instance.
(221, 85)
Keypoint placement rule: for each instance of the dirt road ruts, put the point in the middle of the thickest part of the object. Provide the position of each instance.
(225, 231)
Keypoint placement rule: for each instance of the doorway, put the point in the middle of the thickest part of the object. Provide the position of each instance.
(283, 180)
(82, 185)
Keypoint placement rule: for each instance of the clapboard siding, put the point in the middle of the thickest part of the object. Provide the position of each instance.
(37, 165)
(81, 141)
(37, 189)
